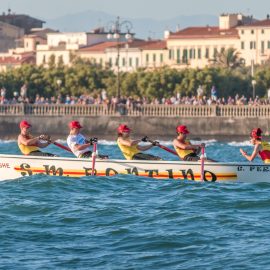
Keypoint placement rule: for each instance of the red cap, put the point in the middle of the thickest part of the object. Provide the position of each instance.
(182, 129)
(24, 123)
(74, 124)
(256, 133)
(123, 128)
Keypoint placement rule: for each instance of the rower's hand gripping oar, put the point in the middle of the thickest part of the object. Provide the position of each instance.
(94, 155)
(48, 139)
(156, 143)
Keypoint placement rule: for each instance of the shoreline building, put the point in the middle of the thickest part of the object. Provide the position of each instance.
(133, 54)
(197, 47)
(63, 47)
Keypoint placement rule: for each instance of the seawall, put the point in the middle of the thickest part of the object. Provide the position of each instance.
(104, 127)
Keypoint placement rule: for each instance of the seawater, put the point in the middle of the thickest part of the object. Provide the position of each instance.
(129, 222)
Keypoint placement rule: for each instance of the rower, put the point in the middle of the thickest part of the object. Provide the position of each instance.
(29, 145)
(131, 148)
(261, 148)
(78, 144)
(185, 150)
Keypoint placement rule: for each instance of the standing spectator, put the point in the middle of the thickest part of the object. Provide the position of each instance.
(104, 94)
(268, 93)
(24, 91)
(214, 93)
(3, 92)
(200, 92)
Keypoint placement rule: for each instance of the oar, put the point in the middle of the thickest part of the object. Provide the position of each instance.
(165, 148)
(94, 154)
(62, 146)
(57, 144)
(202, 163)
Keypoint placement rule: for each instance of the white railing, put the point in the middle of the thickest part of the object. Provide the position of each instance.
(243, 111)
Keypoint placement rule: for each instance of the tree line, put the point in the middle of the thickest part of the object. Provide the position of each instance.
(84, 77)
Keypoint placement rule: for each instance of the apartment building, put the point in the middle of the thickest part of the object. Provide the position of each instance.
(196, 47)
(65, 46)
(132, 54)
(254, 41)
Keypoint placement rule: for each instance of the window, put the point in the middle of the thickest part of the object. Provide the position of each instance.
(170, 54)
(242, 45)
(185, 56)
(252, 45)
(101, 61)
(215, 53)
(154, 58)
(191, 53)
(130, 62)
(137, 61)
(44, 59)
(199, 53)
(161, 58)
(147, 58)
(262, 47)
(110, 61)
(242, 32)
(268, 45)
(262, 31)
(123, 62)
(178, 56)
(252, 32)
(207, 53)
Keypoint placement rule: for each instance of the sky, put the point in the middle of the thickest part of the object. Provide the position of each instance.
(155, 9)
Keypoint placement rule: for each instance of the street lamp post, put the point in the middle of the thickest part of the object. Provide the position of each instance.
(116, 33)
(253, 82)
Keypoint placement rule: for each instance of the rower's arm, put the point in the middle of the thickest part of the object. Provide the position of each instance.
(145, 147)
(81, 146)
(28, 142)
(129, 143)
(253, 155)
(185, 146)
(42, 144)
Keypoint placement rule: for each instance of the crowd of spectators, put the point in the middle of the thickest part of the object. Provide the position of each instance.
(128, 102)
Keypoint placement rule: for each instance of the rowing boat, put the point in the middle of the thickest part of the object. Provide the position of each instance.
(16, 166)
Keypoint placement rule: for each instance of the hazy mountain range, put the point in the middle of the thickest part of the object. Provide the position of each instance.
(143, 27)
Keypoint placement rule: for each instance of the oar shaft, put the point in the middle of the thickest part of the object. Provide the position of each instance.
(62, 146)
(165, 148)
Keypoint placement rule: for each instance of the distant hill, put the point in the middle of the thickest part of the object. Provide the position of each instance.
(143, 27)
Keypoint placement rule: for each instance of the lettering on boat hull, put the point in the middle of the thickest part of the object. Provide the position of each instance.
(26, 170)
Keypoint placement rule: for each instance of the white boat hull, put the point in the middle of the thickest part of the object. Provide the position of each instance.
(12, 167)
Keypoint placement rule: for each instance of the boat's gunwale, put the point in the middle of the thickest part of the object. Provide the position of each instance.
(133, 161)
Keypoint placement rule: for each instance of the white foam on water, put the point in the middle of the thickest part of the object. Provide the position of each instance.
(7, 141)
(207, 142)
(237, 144)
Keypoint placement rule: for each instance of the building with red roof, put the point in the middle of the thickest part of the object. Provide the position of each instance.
(197, 47)
(132, 54)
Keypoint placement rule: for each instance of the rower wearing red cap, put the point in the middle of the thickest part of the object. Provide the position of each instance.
(29, 145)
(185, 150)
(131, 148)
(261, 148)
(78, 144)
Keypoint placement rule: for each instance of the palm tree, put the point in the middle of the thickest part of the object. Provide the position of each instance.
(228, 58)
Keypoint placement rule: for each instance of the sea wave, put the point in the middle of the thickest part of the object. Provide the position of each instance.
(7, 141)
(237, 144)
